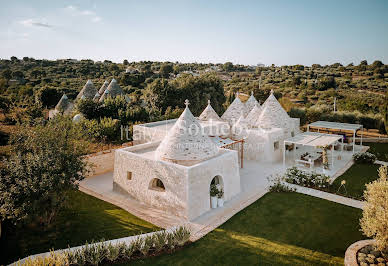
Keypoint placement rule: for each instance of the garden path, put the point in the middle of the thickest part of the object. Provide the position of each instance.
(327, 196)
(381, 162)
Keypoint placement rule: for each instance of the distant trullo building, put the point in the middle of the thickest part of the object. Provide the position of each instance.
(112, 90)
(89, 91)
(64, 106)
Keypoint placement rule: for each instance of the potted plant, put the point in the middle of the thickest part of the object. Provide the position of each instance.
(213, 196)
(220, 199)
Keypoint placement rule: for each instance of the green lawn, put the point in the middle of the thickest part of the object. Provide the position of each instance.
(278, 229)
(356, 177)
(85, 219)
(379, 149)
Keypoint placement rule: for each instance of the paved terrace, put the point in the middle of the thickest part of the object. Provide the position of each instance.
(254, 185)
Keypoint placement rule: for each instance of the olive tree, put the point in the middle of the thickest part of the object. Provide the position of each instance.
(374, 221)
(44, 165)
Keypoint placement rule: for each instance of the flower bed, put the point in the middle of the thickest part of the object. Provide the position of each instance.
(104, 253)
(364, 157)
(307, 179)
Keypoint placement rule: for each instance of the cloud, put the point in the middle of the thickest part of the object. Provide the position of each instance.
(77, 12)
(36, 23)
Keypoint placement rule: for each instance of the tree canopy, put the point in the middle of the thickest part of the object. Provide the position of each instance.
(45, 163)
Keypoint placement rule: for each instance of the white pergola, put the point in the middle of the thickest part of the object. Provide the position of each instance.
(338, 126)
(312, 139)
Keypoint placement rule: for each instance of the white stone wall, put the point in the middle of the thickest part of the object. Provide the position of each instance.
(101, 162)
(150, 132)
(259, 144)
(174, 177)
(295, 122)
(187, 188)
(200, 176)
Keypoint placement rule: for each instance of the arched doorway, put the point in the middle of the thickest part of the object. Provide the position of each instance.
(216, 184)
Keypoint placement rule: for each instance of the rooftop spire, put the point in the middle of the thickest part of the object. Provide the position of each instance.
(187, 103)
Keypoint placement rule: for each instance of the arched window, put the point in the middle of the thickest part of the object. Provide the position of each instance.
(157, 184)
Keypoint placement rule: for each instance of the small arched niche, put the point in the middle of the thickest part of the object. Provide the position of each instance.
(157, 184)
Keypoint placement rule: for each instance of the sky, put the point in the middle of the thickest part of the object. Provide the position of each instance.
(280, 32)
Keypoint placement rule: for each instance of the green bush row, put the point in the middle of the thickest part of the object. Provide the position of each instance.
(107, 253)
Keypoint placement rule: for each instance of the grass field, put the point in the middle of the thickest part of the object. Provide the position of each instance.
(278, 229)
(379, 149)
(85, 219)
(356, 177)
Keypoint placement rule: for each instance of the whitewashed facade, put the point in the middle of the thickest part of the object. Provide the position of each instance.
(165, 152)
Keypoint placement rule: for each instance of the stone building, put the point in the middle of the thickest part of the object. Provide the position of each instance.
(174, 162)
(175, 174)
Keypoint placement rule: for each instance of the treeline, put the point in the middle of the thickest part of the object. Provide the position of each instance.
(312, 114)
(28, 87)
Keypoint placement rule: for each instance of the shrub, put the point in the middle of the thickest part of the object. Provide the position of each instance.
(102, 253)
(307, 179)
(89, 108)
(364, 157)
(159, 240)
(147, 245)
(278, 186)
(181, 235)
(220, 193)
(110, 128)
(170, 241)
(374, 222)
(52, 259)
(113, 252)
(213, 190)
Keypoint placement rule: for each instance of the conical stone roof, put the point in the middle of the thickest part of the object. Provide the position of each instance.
(96, 97)
(239, 128)
(273, 114)
(251, 102)
(254, 115)
(232, 114)
(88, 91)
(185, 141)
(209, 114)
(105, 95)
(103, 87)
(63, 104)
(114, 88)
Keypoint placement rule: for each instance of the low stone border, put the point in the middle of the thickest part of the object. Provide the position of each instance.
(126, 240)
(351, 252)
